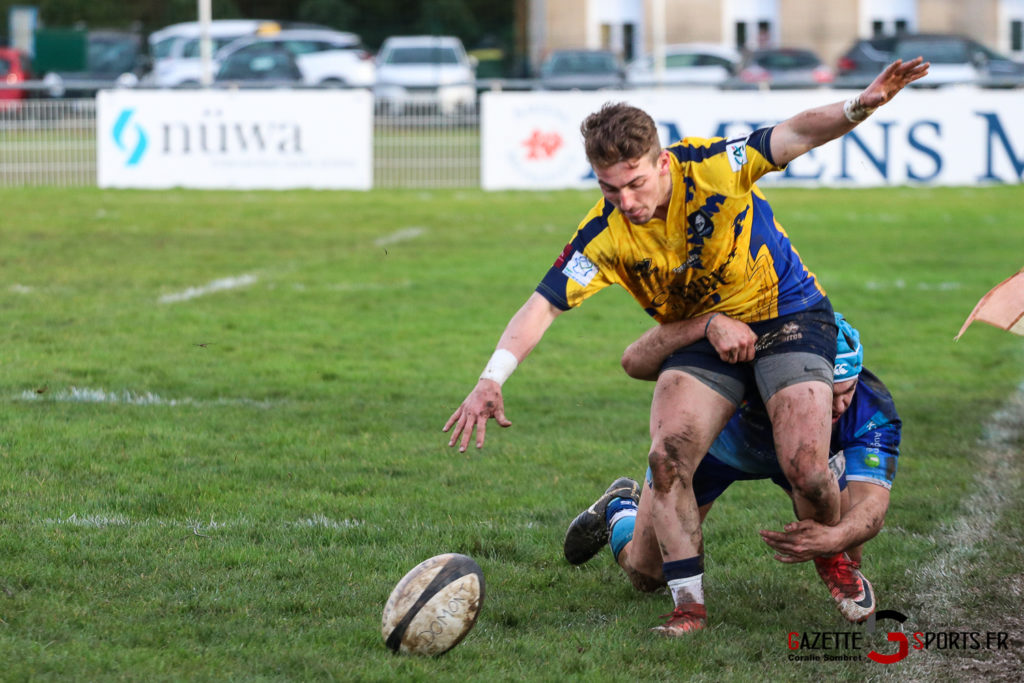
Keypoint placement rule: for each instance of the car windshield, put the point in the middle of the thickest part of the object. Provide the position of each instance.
(111, 56)
(162, 49)
(266, 62)
(422, 55)
(786, 60)
(582, 63)
(935, 51)
(677, 61)
(191, 48)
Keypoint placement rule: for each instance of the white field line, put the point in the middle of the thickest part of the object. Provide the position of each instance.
(132, 398)
(20, 289)
(209, 288)
(316, 520)
(943, 582)
(399, 236)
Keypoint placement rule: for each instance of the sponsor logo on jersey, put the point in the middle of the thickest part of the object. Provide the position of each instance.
(700, 223)
(580, 269)
(736, 150)
(692, 261)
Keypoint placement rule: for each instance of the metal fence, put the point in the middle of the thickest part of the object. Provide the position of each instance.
(53, 142)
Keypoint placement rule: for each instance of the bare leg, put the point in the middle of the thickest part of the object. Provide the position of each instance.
(686, 416)
(640, 559)
(801, 417)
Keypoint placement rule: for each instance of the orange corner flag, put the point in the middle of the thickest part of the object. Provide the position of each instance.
(1002, 307)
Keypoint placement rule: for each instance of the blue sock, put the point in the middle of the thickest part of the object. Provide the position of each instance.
(683, 569)
(621, 517)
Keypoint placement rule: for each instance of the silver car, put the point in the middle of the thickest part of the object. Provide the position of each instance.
(425, 71)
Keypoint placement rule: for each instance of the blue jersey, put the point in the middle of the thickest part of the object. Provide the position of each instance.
(868, 435)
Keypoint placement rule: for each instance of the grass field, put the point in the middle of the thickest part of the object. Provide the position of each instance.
(221, 440)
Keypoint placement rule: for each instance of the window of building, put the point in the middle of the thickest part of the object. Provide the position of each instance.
(741, 34)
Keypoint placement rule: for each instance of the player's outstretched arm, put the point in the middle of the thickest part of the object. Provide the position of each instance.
(521, 335)
(806, 539)
(734, 341)
(815, 127)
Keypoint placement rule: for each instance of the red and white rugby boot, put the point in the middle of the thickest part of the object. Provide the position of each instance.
(685, 618)
(852, 592)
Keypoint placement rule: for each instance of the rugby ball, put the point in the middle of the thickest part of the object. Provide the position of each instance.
(434, 606)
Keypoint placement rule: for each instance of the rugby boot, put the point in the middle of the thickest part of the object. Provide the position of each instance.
(588, 533)
(685, 618)
(849, 588)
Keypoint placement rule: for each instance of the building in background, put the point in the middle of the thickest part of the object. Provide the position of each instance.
(827, 28)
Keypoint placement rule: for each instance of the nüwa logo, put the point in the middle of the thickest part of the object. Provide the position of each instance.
(123, 132)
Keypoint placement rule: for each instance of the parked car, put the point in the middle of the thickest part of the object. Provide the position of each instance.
(14, 69)
(113, 59)
(427, 70)
(263, 64)
(781, 68)
(581, 70)
(325, 58)
(687, 64)
(864, 61)
(954, 60)
(175, 48)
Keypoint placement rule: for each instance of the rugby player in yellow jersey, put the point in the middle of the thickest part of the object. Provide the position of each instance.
(687, 233)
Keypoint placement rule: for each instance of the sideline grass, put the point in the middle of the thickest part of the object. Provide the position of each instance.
(228, 487)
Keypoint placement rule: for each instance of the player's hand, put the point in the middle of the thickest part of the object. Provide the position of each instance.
(801, 541)
(896, 76)
(483, 403)
(733, 339)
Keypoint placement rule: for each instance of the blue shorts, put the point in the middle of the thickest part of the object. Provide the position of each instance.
(713, 477)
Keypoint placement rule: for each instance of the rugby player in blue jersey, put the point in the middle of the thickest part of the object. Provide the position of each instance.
(686, 231)
(863, 451)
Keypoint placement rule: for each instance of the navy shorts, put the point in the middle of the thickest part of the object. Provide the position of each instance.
(713, 477)
(791, 349)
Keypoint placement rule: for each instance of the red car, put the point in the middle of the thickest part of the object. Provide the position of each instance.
(14, 68)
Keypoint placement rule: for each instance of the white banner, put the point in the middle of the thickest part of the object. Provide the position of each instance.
(235, 139)
(947, 137)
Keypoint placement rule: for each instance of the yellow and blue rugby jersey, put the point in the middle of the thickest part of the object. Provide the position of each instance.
(720, 249)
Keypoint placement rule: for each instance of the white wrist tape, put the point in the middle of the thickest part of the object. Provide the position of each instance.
(856, 112)
(502, 364)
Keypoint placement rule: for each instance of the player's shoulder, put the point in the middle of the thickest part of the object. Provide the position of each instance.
(598, 220)
(872, 388)
(873, 408)
(697, 149)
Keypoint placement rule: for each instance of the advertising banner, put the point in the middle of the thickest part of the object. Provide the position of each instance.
(955, 136)
(270, 139)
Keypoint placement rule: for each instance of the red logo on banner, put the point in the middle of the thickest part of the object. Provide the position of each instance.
(541, 145)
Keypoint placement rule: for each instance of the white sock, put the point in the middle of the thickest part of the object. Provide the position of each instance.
(690, 589)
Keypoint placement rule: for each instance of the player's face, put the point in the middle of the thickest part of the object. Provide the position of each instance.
(639, 188)
(842, 397)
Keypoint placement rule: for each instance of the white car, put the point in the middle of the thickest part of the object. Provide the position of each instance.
(325, 58)
(175, 49)
(686, 64)
(425, 70)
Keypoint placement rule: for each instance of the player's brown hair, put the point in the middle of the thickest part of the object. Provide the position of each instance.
(619, 132)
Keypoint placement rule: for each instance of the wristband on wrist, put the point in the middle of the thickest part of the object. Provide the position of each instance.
(708, 323)
(501, 365)
(854, 111)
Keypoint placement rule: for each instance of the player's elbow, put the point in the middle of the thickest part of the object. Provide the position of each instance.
(635, 367)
